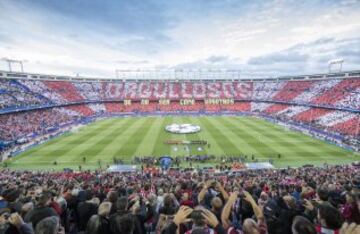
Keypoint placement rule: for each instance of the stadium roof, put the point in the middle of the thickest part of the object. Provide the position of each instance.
(179, 75)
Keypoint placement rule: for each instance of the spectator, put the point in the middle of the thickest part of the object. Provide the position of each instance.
(86, 208)
(124, 221)
(329, 218)
(13, 223)
(112, 197)
(185, 200)
(350, 210)
(99, 224)
(49, 225)
(302, 225)
(41, 210)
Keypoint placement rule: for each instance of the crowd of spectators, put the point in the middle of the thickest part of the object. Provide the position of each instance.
(299, 201)
(341, 93)
(13, 95)
(24, 124)
(343, 123)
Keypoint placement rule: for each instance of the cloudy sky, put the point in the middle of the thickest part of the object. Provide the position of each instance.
(95, 37)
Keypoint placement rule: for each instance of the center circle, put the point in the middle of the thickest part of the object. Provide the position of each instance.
(182, 128)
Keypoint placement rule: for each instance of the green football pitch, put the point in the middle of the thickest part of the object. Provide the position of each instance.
(127, 137)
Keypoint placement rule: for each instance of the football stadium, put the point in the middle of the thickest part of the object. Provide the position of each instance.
(81, 122)
(165, 117)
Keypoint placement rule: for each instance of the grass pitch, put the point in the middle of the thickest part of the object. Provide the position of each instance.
(228, 135)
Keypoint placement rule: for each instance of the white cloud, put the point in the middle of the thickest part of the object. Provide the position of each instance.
(265, 36)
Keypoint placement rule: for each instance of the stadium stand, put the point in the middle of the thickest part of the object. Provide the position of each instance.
(83, 110)
(328, 104)
(31, 123)
(113, 107)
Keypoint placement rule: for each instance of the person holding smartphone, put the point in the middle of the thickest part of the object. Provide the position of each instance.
(13, 223)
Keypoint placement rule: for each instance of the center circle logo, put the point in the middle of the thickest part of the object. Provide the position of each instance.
(182, 128)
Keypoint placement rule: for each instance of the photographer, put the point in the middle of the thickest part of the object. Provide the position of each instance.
(203, 221)
(212, 189)
(212, 196)
(249, 225)
(13, 223)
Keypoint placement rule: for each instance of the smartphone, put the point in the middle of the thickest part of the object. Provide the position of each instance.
(196, 215)
(6, 216)
(241, 193)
